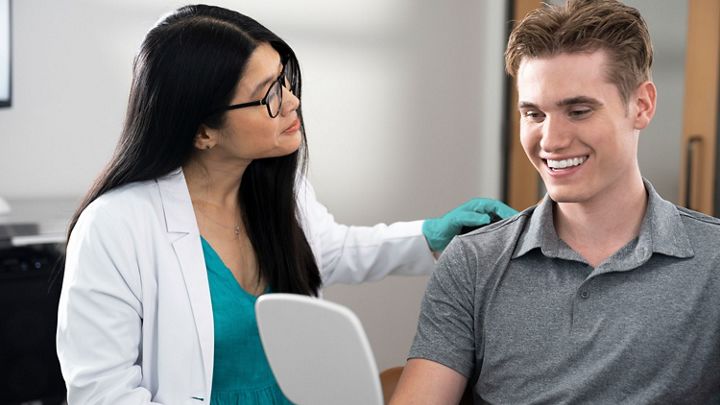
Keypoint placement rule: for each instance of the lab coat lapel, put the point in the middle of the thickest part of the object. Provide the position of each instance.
(184, 235)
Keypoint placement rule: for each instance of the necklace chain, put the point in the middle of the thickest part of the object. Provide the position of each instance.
(235, 228)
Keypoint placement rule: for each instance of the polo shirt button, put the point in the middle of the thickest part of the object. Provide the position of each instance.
(584, 294)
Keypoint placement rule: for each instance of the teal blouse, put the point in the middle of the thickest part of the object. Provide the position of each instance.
(241, 374)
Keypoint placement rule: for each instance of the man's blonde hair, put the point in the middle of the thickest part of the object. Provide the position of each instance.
(587, 26)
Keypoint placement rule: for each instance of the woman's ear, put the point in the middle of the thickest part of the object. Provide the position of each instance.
(205, 138)
(644, 98)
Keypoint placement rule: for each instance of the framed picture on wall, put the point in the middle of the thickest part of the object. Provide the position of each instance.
(5, 54)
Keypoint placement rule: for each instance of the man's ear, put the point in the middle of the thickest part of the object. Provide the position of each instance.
(206, 138)
(644, 99)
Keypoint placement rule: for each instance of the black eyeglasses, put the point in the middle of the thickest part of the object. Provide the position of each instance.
(272, 100)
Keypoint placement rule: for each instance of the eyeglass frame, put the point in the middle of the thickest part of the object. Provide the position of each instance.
(280, 81)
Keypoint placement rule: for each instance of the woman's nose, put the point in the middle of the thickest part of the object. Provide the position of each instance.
(290, 101)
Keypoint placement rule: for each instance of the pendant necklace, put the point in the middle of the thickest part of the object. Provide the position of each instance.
(235, 229)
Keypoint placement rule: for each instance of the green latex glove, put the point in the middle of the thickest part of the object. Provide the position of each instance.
(440, 231)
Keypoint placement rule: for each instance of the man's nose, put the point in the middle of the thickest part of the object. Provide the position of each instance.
(556, 134)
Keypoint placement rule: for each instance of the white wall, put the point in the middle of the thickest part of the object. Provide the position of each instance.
(4, 49)
(403, 103)
(661, 142)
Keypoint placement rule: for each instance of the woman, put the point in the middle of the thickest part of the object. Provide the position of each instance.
(200, 210)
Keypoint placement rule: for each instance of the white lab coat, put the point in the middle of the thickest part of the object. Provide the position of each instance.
(135, 322)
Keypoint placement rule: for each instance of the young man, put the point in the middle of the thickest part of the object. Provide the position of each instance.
(604, 292)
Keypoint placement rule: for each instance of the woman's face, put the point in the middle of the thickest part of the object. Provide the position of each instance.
(250, 133)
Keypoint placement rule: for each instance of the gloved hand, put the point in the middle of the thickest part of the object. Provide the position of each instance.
(440, 231)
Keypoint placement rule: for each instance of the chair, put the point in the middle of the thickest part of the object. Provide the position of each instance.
(318, 351)
(390, 377)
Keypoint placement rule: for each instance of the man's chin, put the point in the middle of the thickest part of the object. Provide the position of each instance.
(565, 196)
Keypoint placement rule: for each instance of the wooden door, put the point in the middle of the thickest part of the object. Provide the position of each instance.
(699, 176)
(523, 183)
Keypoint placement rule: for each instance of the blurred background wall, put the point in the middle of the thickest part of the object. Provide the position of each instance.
(403, 102)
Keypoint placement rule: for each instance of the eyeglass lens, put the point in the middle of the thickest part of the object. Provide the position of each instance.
(274, 99)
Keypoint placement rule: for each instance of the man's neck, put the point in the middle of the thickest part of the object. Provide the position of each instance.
(598, 228)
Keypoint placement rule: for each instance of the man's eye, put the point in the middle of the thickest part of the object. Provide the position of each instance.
(580, 113)
(533, 115)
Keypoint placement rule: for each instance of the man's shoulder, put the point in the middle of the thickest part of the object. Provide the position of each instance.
(477, 259)
(493, 243)
(702, 230)
(498, 235)
(699, 219)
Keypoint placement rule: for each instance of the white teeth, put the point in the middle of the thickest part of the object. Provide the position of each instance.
(561, 164)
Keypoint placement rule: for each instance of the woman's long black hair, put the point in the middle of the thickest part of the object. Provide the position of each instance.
(188, 66)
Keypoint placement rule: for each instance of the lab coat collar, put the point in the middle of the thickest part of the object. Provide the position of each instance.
(176, 203)
(184, 235)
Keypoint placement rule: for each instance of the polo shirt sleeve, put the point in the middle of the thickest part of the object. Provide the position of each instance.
(445, 332)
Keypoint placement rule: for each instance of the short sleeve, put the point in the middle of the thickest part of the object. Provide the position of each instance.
(445, 332)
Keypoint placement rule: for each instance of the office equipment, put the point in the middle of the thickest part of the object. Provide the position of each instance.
(31, 237)
(318, 351)
(35, 221)
(28, 317)
(4, 207)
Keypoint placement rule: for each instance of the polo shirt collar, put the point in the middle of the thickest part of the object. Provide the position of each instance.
(661, 231)
(540, 232)
(663, 228)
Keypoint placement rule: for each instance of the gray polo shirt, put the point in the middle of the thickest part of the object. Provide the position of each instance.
(514, 308)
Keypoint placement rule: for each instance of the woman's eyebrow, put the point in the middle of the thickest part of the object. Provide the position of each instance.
(265, 82)
(262, 85)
